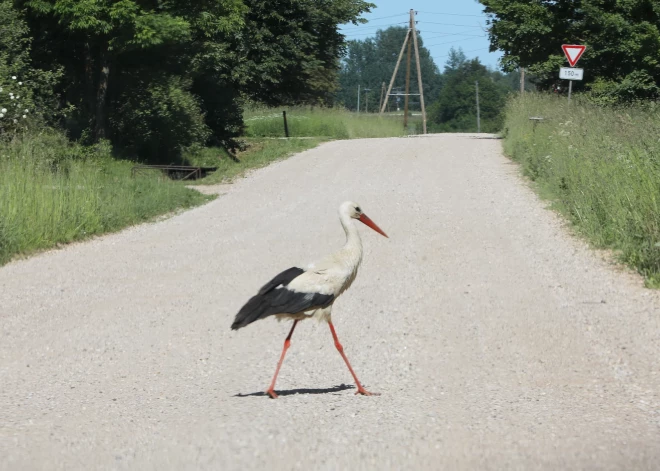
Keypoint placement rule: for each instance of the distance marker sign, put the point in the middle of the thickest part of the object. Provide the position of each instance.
(573, 52)
(570, 73)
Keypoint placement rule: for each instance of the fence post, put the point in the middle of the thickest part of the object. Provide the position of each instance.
(286, 126)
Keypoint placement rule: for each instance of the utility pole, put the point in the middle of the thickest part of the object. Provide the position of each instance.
(396, 69)
(405, 106)
(366, 99)
(478, 116)
(382, 92)
(522, 79)
(419, 71)
(358, 106)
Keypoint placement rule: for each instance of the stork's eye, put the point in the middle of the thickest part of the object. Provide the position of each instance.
(358, 209)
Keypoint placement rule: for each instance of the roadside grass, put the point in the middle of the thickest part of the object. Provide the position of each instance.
(600, 167)
(54, 192)
(331, 123)
(308, 127)
(259, 153)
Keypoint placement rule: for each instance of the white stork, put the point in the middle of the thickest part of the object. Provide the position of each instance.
(302, 294)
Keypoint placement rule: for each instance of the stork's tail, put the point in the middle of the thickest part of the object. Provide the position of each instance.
(255, 309)
(258, 306)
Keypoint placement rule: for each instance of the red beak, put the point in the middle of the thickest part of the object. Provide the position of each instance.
(368, 222)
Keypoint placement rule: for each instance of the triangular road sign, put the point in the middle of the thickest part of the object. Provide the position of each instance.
(573, 52)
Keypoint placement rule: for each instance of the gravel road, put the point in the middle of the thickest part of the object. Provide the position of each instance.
(497, 340)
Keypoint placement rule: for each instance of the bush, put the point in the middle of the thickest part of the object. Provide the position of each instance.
(26, 93)
(158, 119)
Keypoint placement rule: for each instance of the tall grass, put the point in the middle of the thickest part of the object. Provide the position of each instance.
(331, 123)
(55, 192)
(600, 167)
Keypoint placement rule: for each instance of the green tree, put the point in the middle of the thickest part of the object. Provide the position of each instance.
(622, 60)
(108, 29)
(286, 53)
(370, 63)
(455, 60)
(289, 49)
(25, 90)
(156, 77)
(455, 109)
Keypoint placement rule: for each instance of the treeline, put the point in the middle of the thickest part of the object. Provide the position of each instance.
(622, 38)
(449, 94)
(155, 77)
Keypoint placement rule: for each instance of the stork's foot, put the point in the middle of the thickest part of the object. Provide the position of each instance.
(272, 394)
(364, 392)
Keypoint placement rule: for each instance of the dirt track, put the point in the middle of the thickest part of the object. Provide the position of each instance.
(497, 340)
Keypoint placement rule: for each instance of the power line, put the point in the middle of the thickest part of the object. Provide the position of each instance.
(386, 17)
(448, 24)
(465, 52)
(367, 26)
(373, 33)
(450, 42)
(448, 14)
(444, 35)
(362, 28)
(441, 34)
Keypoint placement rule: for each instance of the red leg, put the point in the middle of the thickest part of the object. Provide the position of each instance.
(287, 343)
(360, 390)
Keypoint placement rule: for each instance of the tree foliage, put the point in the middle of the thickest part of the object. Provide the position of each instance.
(449, 95)
(155, 77)
(25, 91)
(622, 60)
(455, 109)
(371, 62)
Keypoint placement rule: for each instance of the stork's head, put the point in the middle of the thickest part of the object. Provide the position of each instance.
(354, 211)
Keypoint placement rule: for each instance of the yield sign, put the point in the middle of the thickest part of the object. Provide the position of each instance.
(573, 52)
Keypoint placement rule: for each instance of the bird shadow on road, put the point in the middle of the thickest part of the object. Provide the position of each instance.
(291, 392)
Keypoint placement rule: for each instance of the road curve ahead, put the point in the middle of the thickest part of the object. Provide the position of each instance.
(497, 340)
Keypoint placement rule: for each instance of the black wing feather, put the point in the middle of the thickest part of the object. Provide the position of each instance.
(284, 278)
(274, 298)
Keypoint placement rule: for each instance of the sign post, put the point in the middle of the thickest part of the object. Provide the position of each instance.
(573, 52)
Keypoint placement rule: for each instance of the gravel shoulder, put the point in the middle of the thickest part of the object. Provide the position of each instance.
(497, 340)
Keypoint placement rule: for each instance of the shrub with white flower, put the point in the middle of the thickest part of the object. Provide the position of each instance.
(13, 109)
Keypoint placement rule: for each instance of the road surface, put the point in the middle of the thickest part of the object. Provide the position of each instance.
(497, 340)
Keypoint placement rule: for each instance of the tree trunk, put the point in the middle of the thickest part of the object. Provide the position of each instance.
(101, 131)
(90, 95)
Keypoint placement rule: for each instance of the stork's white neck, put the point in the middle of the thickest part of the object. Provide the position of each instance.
(352, 234)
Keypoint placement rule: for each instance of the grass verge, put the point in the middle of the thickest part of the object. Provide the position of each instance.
(54, 192)
(260, 152)
(332, 123)
(600, 167)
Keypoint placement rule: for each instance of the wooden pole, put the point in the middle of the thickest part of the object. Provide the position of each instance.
(286, 126)
(396, 69)
(419, 74)
(382, 92)
(478, 114)
(522, 80)
(358, 106)
(405, 106)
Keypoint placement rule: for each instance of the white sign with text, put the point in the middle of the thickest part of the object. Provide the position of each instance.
(570, 73)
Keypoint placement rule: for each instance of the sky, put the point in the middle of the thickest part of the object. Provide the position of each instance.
(441, 25)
